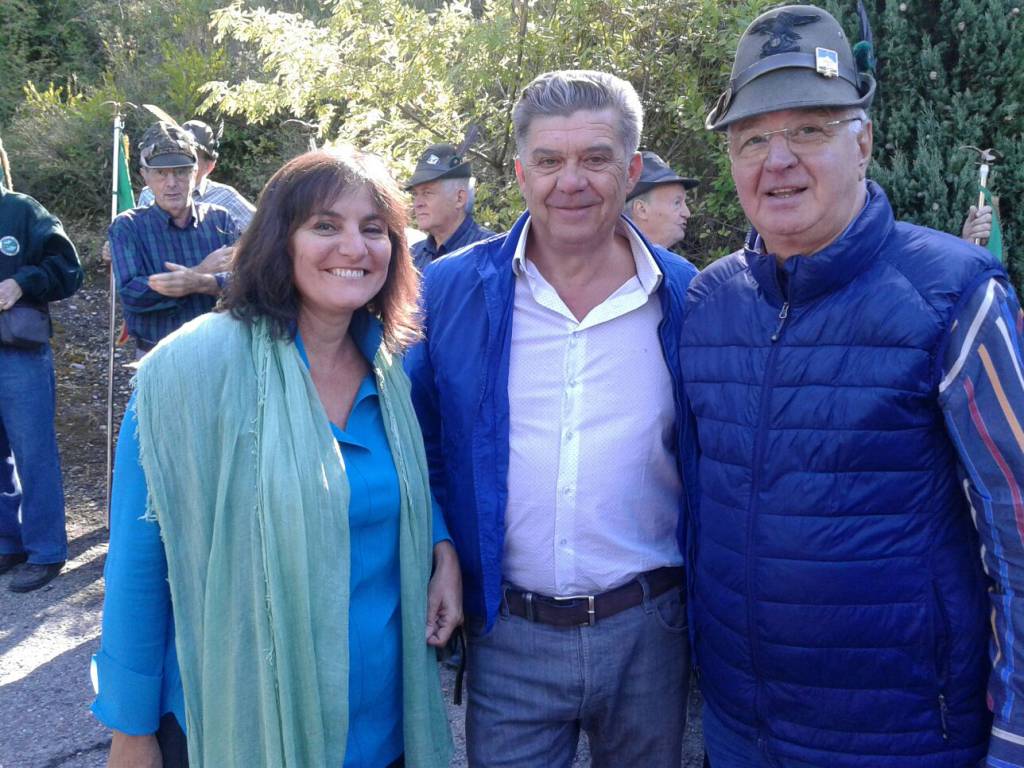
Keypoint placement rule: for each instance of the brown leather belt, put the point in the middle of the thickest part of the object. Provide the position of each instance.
(583, 610)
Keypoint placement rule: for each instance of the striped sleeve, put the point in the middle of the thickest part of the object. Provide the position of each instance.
(982, 397)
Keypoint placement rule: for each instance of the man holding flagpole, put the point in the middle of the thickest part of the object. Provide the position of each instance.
(38, 264)
(165, 265)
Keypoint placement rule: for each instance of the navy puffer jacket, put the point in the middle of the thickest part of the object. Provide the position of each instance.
(839, 603)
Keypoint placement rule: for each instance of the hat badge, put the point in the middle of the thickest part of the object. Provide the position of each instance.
(9, 245)
(433, 160)
(781, 32)
(826, 62)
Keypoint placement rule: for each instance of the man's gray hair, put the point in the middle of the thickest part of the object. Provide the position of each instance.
(450, 185)
(564, 92)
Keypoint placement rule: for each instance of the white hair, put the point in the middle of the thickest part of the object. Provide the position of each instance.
(468, 184)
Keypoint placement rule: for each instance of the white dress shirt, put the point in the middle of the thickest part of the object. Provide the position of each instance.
(593, 488)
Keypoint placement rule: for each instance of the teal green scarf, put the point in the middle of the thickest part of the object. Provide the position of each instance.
(249, 487)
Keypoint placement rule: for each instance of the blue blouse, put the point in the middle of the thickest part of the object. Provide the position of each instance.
(136, 673)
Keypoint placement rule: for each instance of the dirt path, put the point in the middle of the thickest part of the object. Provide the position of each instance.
(47, 637)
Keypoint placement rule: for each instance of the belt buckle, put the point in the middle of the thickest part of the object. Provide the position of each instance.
(591, 616)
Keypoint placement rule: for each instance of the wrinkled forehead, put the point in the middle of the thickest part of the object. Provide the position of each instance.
(581, 127)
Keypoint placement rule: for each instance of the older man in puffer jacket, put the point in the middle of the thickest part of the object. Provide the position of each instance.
(857, 388)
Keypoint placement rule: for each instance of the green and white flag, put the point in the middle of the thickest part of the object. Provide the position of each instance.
(125, 195)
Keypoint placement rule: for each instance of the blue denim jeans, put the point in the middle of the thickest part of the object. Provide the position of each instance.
(28, 444)
(726, 749)
(624, 681)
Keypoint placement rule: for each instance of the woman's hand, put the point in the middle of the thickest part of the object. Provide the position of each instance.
(134, 751)
(444, 595)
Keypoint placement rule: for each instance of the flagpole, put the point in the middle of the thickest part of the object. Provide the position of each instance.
(982, 184)
(116, 165)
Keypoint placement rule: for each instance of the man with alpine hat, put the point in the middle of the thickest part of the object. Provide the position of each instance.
(856, 384)
(165, 256)
(38, 264)
(207, 190)
(442, 189)
(657, 204)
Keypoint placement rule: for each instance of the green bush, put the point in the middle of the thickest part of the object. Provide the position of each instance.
(949, 75)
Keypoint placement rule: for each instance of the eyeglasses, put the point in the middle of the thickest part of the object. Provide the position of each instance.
(799, 137)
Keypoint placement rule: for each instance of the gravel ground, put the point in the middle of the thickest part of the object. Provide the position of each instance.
(47, 637)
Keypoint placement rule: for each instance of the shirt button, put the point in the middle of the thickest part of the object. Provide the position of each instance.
(568, 436)
(563, 542)
(566, 491)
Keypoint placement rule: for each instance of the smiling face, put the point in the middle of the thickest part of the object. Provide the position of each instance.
(340, 256)
(172, 187)
(574, 174)
(801, 201)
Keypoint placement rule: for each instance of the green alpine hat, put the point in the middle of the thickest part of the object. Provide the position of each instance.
(166, 146)
(794, 57)
(440, 161)
(656, 171)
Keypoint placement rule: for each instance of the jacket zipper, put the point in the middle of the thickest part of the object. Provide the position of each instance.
(942, 653)
(759, 448)
(783, 314)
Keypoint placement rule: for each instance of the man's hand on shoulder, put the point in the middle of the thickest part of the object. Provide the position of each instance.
(181, 281)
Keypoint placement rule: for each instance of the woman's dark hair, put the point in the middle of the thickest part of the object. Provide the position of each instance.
(262, 285)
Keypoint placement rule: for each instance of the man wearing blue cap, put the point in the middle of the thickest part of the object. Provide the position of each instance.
(856, 383)
(657, 204)
(442, 188)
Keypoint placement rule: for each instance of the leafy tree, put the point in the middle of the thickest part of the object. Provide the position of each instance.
(394, 76)
(44, 39)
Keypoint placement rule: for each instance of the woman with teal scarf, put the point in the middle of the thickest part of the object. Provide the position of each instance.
(277, 574)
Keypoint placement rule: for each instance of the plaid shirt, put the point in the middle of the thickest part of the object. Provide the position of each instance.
(141, 240)
(214, 193)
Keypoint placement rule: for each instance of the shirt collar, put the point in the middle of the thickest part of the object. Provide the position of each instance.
(454, 238)
(365, 329)
(647, 270)
(193, 221)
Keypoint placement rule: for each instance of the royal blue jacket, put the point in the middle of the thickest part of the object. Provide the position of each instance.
(838, 596)
(459, 379)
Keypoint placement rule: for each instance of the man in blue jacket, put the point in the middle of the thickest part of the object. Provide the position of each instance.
(548, 387)
(857, 388)
(38, 264)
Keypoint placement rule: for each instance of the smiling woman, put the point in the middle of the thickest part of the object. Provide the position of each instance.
(294, 524)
